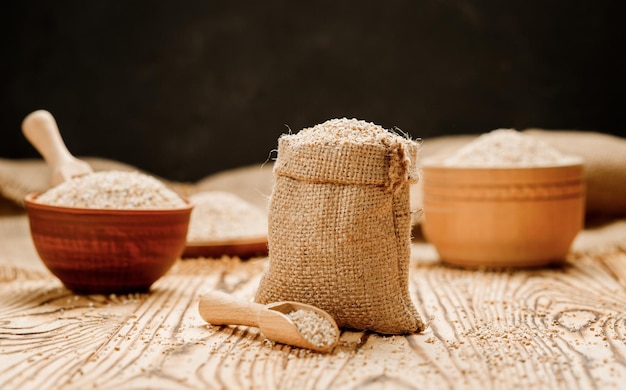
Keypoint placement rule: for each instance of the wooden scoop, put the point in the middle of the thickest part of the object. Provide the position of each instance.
(218, 308)
(41, 130)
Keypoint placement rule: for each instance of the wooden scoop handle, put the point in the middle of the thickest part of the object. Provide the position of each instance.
(41, 130)
(219, 308)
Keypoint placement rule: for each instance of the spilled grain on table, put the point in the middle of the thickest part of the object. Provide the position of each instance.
(548, 328)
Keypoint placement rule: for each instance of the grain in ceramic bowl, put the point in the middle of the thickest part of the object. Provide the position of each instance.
(521, 209)
(108, 232)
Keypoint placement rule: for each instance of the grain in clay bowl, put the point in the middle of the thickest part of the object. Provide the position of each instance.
(497, 214)
(110, 249)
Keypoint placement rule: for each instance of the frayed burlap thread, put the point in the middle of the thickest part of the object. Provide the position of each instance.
(339, 227)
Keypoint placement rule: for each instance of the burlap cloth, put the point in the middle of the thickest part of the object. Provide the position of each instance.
(21, 177)
(605, 171)
(604, 156)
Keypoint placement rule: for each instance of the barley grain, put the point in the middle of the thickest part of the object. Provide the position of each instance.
(314, 328)
(343, 130)
(506, 148)
(221, 215)
(113, 190)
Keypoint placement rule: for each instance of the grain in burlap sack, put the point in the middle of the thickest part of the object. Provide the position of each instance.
(339, 225)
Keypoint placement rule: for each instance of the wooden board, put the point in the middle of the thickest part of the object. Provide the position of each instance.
(243, 248)
(547, 328)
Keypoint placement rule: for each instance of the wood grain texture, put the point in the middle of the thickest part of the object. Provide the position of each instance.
(554, 328)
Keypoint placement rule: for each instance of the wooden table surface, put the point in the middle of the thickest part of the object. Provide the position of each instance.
(562, 327)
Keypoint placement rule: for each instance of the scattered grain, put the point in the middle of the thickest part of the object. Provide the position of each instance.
(113, 190)
(314, 328)
(507, 148)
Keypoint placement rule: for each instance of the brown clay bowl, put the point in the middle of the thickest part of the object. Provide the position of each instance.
(502, 217)
(97, 251)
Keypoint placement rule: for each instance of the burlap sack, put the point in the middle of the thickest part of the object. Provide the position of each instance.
(339, 225)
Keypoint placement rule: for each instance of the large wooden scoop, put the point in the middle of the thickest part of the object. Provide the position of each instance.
(218, 308)
(41, 130)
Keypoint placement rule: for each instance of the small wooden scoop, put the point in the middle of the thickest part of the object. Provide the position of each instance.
(41, 130)
(218, 308)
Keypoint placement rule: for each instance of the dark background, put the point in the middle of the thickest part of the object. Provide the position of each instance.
(183, 89)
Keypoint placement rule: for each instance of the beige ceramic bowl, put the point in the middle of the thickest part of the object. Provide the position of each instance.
(502, 217)
(107, 251)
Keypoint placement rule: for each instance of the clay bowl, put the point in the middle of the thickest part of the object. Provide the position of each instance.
(503, 217)
(96, 251)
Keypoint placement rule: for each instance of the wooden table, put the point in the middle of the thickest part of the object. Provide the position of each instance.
(561, 327)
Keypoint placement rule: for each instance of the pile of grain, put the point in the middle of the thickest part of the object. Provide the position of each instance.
(506, 148)
(113, 190)
(218, 216)
(342, 131)
(314, 328)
